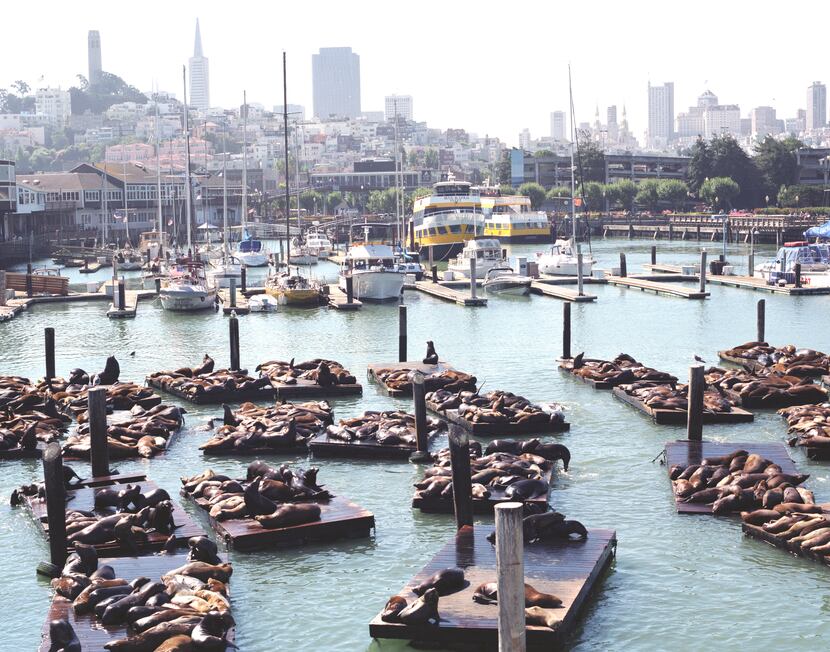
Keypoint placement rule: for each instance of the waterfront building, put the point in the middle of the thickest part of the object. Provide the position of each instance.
(336, 82)
(199, 75)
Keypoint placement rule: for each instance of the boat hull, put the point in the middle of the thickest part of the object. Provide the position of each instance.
(187, 299)
(516, 288)
(564, 267)
(295, 297)
(303, 259)
(253, 259)
(375, 286)
(129, 266)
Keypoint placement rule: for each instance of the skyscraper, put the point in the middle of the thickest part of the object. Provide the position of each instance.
(94, 56)
(612, 126)
(816, 106)
(557, 125)
(336, 79)
(400, 105)
(199, 75)
(660, 114)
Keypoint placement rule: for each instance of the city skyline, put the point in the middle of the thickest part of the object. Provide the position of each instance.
(244, 55)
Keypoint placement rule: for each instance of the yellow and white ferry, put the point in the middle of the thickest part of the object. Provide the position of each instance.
(510, 219)
(446, 219)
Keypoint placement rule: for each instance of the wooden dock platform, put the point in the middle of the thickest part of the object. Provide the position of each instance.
(566, 366)
(658, 288)
(442, 291)
(129, 309)
(309, 389)
(559, 292)
(498, 429)
(570, 570)
(215, 398)
(83, 499)
(743, 282)
(414, 365)
(687, 452)
(339, 301)
(241, 307)
(757, 532)
(323, 446)
(92, 634)
(678, 417)
(339, 519)
(91, 268)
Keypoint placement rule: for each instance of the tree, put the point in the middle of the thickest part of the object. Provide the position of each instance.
(431, 159)
(542, 152)
(420, 192)
(806, 196)
(21, 87)
(624, 192)
(720, 192)
(593, 195)
(506, 189)
(535, 192)
(724, 157)
(701, 165)
(589, 159)
(559, 191)
(776, 161)
(311, 200)
(110, 90)
(672, 191)
(413, 158)
(647, 194)
(333, 200)
(503, 170)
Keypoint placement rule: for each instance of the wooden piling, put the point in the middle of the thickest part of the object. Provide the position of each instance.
(653, 254)
(232, 291)
(694, 413)
(566, 330)
(703, 271)
(244, 279)
(2, 287)
(430, 255)
(99, 455)
(510, 575)
(402, 333)
(761, 320)
(623, 268)
(797, 270)
(55, 503)
(122, 294)
(462, 492)
(349, 288)
(579, 280)
(233, 332)
(420, 409)
(473, 285)
(29, 290)
(434, 270)
(158, 285)
(49, 337)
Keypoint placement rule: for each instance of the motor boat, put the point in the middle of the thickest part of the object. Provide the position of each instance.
(262, 303)
(187, 288)
(128, 260)
(221, 272)
(293, 290)
(562, 260)
(487, 253)
(503, 280)
(374, 272)
(814, 260)
(411, 268)
(155, 242)
(301, 254)
(251, 252)
(318, 243)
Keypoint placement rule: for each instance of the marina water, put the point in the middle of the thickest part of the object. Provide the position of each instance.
(678, 582)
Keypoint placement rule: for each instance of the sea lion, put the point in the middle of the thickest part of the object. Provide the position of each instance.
(424, 610)
(290, 514)
(210, 633)
(206, 367)
(180, 643)
(553, 452)
(445, 582)
(109, 376)
(202, 549)
(527, 490)
(62, 637)
(538, 617)
(487, 593)
(393, 607)
(256, 503)
(150, 639)
(431, 357)
(202, 571)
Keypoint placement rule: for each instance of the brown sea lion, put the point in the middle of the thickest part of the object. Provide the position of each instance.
(181, 643)
(211, 632)
(487, 593)
(393, 607)
(539, 617)
(62, 637)
(290, 514)
(424, 610)
(203, 571)
(445, 582)
(432, 356)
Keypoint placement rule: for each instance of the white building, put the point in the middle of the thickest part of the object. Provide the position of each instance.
(336, 83)
(54, 104)
(524, 139)
(557, 125)
(816, 106)
(722, 119)
(660, 115)
(764, 122)
(199, 75)
(398, 105)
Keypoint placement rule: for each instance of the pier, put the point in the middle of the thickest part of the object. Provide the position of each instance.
(678, 417)
(740, 281)
(646, 284)
(557, 291)
(339, 301)
(442, 290)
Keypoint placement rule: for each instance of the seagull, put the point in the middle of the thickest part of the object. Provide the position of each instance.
(699, 359)
(133, 353)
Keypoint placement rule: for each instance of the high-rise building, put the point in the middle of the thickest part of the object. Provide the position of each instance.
(611, 124)
(524, 139)
(764, 122)
(400, 105)
(199, 75)
(557, 125)
(336, 80)
(722, 119)
(660, 114)
(54, 104)
(816, 106)
(94, 56)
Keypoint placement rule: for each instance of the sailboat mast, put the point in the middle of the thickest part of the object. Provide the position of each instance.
(297, 146)
(573, 144)
(224, 198)
(158, 169)
(126, 211)
(397, 180)
(244, 162)
(187, 163)
(285, 147)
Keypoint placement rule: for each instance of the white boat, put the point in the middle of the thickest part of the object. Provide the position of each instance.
(128, 260)
(262, 303)
(301, 254)
(374, 273)
(186, 288)
(486, 251)
(223, 270)
(813, 258)
(562, 260)
(503, 280)
(251, 253)
(318, 243)
(411, 268)
(154, 241)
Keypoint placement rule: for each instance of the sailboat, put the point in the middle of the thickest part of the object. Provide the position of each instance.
(249, 251)
(186, 287)
(562, 259)
(228, 268)
(155, 243)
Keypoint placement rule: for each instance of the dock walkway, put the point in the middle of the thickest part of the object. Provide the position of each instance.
(558, 292)
(339, 301)
(240, 304)
(656, 287)
(443, 291)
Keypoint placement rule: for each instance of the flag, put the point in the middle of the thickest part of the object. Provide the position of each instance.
(578, 201)
(169, 222)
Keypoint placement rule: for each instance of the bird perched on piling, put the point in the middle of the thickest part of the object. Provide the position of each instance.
(699, 359)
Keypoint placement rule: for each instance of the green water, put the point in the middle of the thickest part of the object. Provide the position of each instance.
(678, 582)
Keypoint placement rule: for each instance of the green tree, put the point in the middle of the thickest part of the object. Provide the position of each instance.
(589, 159)
(800, 196)
(700, 165)
(672, 191)
(559, 191)
(431, 159)
(625, 192)
(535, 192)
(776, 161)
(311, 200)
(647, 194)
(506, 189)
(592, 194)
(333, 200)
(503, 171)
(413, 158)
(724, 157)
(21, 87)
(720, 192)
(97, 99)
(420, 192)
(542, 152)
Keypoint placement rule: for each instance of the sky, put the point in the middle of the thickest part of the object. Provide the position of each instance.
(491, 68)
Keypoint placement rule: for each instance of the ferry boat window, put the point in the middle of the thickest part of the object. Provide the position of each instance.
(455, 228)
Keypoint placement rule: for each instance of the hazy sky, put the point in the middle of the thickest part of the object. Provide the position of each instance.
(489, 67)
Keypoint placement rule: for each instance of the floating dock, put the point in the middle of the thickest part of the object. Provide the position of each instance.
(559, 292)
(309, 389)
(323, 446)
(757, 532)
(647, 285)
(83, 499)
(443, 291)
(128, 310)
(20, 453)
(570, 570)
(241, 306)
(426, 369)
(567, 367)
(339, 519)
(687, 452)
(215, 398)
(339, 301)
(91, 268)
(92, 634)
(678, 417)
(744, 282)
(498, 429)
